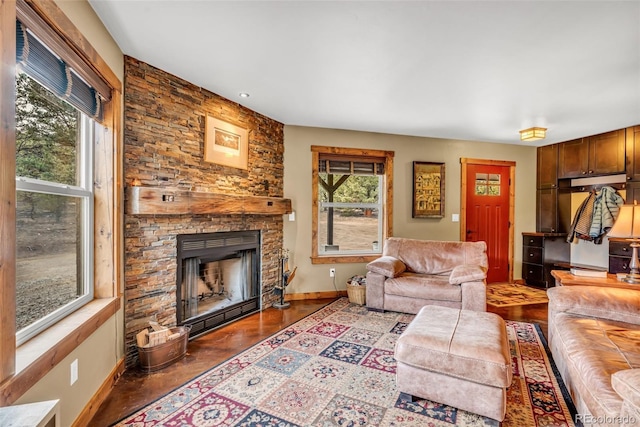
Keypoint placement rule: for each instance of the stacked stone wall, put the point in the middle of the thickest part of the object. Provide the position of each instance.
(164, 147)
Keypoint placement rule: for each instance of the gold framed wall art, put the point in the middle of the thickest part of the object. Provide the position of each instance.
(428, 190)
(225, 144)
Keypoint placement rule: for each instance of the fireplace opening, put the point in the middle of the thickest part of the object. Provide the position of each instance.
(218, 278)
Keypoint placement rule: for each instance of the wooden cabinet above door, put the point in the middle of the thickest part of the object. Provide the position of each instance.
(602, 154)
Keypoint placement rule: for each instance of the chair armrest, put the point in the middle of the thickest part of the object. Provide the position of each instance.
(387, 266)
(375, 291)
(627, 384)
(467, 273)
(474, 295)
(622, 305)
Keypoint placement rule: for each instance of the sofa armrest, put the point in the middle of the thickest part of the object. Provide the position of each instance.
(622, 305)
(474, 295)
(387, 266)
(627, 384)
(467, 273)
(375, 291)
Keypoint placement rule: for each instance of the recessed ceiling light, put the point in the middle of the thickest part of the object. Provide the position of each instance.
(244, 95)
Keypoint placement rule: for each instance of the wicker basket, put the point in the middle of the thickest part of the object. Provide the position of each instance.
(357, 293)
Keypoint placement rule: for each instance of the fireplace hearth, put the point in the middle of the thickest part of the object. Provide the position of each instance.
(218, 278)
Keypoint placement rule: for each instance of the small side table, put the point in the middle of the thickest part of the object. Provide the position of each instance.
(38, 414)
(565, 278)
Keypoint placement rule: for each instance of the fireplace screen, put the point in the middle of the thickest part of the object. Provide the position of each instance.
(217, 278)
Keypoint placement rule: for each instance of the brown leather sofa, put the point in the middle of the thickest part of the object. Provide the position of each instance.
(594, 337)
(413, 273)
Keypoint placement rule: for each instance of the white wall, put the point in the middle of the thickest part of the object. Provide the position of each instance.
(297, 187)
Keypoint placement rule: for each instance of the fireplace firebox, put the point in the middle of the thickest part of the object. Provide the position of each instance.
(218, 278)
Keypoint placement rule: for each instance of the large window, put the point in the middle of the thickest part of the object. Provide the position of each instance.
(54, 209)
(352, 203)
(59, 102)
(47, 189)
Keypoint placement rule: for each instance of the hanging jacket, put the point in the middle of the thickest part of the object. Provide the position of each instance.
(605, 211)
(581, 224)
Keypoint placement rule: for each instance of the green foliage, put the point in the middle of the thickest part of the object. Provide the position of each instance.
(46, 134)
(356, 189)
(46, 143)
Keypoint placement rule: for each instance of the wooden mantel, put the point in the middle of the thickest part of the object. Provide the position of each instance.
(167, 201)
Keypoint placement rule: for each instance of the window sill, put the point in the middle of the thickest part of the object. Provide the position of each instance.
(343, 259)
(36, 357)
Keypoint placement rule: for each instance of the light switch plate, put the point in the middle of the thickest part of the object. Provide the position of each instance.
(74, 371)
(455, 217)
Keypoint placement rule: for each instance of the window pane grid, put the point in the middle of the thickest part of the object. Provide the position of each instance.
(487, 184)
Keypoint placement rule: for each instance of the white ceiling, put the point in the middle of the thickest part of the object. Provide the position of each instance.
(471, 70)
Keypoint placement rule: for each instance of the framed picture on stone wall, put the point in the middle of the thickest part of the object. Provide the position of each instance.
(225, 144)
(428, 190)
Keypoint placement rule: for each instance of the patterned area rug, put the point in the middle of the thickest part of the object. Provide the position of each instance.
(508, 294)
(336, 368)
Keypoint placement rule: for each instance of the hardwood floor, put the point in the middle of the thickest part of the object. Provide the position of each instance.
(136, 389)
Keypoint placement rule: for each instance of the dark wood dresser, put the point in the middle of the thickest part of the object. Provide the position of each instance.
(540, 254)
(619, 255)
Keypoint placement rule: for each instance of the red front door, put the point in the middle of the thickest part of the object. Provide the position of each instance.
(487, 217)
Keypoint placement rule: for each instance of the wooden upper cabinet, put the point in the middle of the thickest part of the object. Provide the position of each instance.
(606, 153)
(633, 153)
(573, 158)
(547, 166)
(547, 210)
(602, 154)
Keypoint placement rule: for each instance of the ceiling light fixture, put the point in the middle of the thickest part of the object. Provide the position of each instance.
(244, 95)
(533, 134)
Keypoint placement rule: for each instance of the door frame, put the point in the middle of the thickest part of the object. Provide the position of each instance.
(464, 161)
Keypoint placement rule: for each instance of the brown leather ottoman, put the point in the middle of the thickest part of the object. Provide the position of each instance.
(456, 357)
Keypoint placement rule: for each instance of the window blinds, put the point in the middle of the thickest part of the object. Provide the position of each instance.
(45, 67)
(347, 165)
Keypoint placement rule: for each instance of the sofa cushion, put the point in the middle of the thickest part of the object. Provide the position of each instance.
(423, 286)
(595, 350)
(435, 257)
(625, 383)
(466, 273)
(387, 266)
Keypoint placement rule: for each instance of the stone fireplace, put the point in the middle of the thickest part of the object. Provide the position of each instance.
(172, 194)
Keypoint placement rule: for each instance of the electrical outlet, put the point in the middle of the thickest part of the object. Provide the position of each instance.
(332, 272)
(74, 371)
